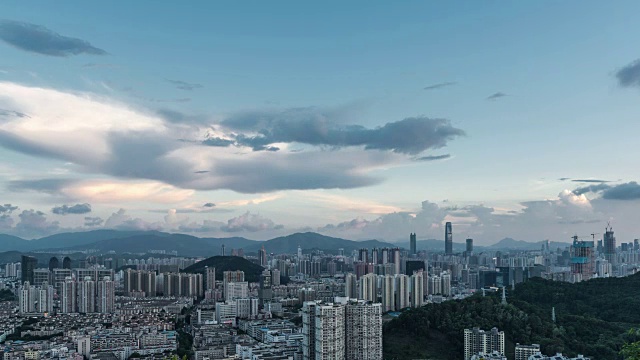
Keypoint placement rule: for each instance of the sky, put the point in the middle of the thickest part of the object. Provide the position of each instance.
(360, 120)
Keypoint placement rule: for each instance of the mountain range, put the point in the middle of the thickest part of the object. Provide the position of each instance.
(105, 241)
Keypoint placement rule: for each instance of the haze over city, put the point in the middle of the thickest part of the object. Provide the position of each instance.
(358, 120)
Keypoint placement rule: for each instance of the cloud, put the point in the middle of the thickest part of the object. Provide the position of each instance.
(248, 222)
(11, 113)
(209, 205)
(121, 221)
(34, 223)
(39, 39)
(626, 191)
(183, 85)
(629, 75)
(591, 180)
(104, 138)
(434, 157)
(306, 126)
(73, 209)
(93, 221)
(439, 85)
(564, 179)
(496, 96)
(6, 222)
(7, 209)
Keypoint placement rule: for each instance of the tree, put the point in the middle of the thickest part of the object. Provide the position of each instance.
(631, 350)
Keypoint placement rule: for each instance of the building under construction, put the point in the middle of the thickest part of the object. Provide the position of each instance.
(582, 259)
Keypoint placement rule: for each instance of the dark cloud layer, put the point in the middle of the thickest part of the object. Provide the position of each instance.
(407, 136)
(629, 76)
(439, 85)
(626, 191)
(92, 221)
(72, 209)
(7, 209)
(39, 39)
(434, 157)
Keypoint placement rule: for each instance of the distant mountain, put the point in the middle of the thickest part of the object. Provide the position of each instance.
(432, 245)
(13, 243)
(511, 244)
(312, 241)
(70, 239)
(228, 263)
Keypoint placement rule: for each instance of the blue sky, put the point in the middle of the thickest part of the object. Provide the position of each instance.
(508, 98)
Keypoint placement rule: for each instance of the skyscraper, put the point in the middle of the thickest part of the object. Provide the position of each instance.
(402, 292)
(469, 247)
(86, 296)
(68, 301)
(395, 259)
(448, 239)
(54, 263)
(582, 259)
(264, 292)
(417, 289)
(309, 330)
(609, 245)
(28, 265)
(350, 286)
(105, 299)
(387, 293)
(412, 244)
(210, 278)
(262, 254)
(368, 288)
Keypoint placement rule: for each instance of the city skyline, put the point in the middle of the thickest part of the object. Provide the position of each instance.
(395, 119)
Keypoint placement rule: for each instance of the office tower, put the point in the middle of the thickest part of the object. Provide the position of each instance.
(523, 352)
(68, 298)
(582, 259)
(412, 244)
(387, 293)
(401, 292)
(363, 255)
(368, 288)
(412, 266)
(469, 247)
(54, 263)
(210, 278)
(264, 292)
(275, 277)
(330, 332)
(28, 265)
(66, 263)
(86, 296)
(448, 239)
(350, 286)
(105, 299)
(309, 329)
(363, 331)
(476, 340)
(417, 289)
(446, 284)
(609, 245)
(262, 255)
(395, 259)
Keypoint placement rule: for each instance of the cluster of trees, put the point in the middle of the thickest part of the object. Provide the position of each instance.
(592, 318)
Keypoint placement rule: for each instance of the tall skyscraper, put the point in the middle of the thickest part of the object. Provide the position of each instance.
(582, 259)
(469, 246)
(66, 263)
(210, 278)
(28, 265)
(350, 286)
(412, 244)
(368, 288)
(395, 259)
(309, 330)
(387, 293)
(363, 331)
(363, 255)
(262, 254)
(609, 245)
(448, 238)
(477, 340)
(54, 263)
(68, 298)
(264, 292)
(330, 332)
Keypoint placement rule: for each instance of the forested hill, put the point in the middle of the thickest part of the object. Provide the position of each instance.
(592, 318)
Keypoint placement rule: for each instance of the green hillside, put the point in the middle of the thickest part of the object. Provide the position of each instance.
(228, 263)
(592, 318)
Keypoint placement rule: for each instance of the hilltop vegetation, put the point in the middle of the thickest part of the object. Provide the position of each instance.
(228, 263)
(592, 318)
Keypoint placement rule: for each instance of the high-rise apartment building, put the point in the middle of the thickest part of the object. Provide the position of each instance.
(387, 293)
(86, 296)
(262, 254)
(412, 244)
(309, 330)
(477, 340)
(105, 298)
(523, 352)
(350, 286)
(140, 282)
(68, 297)
(402, 292)
(368, 288)
(330, 332)
(35, 299)
(209, 278)
(395, 259)
(446, 284)
(448, 239)
(582, 259)
(417, 289)
(236, 290)
(363, 331)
